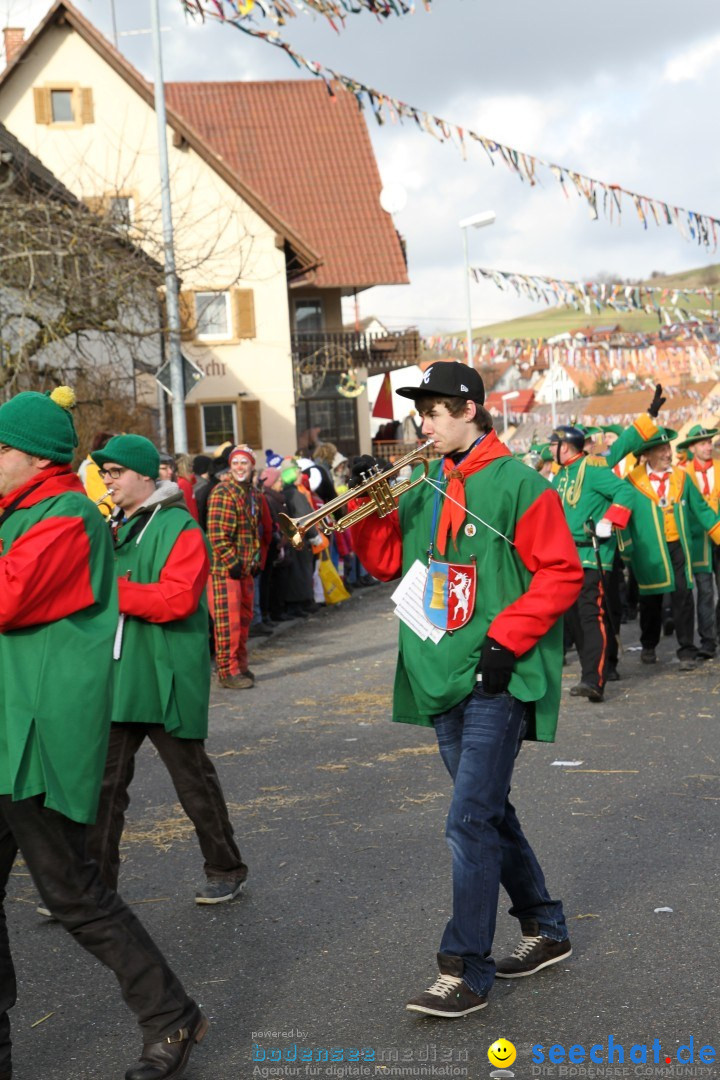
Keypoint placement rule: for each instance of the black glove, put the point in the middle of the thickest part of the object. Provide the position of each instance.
(657, 402)
(362, 464)
(237, 571)
(496, 666)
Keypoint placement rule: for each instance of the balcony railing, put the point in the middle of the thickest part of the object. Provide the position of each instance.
(337, 352)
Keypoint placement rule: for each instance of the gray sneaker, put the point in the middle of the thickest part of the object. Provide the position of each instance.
(532, 954)
(449, 995)
(218, 890)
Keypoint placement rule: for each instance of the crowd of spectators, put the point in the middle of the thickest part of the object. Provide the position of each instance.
(259, 579)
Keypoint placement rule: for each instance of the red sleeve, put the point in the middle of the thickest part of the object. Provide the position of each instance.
(378, 543)
(618, 515)
(182, 580)
(544, 543)
(187, 490)
(46, 574)
(266, 532)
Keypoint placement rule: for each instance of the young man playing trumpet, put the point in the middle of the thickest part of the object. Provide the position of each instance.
(501, 569)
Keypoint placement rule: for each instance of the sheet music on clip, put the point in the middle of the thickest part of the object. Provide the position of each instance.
(408, 600)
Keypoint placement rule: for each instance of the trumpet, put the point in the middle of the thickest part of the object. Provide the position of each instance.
(375, 484)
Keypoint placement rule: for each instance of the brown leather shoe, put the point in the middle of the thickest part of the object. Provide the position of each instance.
(168, 1058)
(237, 682)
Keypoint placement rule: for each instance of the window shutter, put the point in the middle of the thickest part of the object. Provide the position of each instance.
(188, 319)
(87, 111)
(96, 203)
(43, 109)
(243, 309)
(251, 424)
(194, 431)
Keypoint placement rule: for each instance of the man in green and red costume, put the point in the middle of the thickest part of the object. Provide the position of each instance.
(490, 540)
(704, 470)
(162, 662)
(58, 615)
(657, 544)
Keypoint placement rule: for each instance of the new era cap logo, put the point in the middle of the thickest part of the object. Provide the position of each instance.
(464, 388)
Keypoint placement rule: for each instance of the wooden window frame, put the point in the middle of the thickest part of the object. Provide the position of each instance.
(223, 339)
(236, 297)
(82, 102)
(235, 416)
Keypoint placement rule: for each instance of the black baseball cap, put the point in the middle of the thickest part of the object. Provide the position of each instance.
(448, 378)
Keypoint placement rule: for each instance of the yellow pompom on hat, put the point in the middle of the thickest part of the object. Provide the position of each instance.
(40, 424)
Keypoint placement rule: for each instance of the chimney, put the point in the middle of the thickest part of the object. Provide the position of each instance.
(14, 39)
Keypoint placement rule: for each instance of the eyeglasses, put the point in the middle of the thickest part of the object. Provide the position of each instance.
(114, 473)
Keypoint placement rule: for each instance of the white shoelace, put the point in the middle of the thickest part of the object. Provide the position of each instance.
(444, 985)
(526, 946)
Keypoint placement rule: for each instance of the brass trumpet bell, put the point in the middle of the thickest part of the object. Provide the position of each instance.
(383, 499)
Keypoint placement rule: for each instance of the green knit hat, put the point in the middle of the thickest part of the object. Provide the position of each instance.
(133, 451)
(40, 424)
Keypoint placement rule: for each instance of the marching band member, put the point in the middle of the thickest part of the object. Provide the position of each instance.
(500, 568)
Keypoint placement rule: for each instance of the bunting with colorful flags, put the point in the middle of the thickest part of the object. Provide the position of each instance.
(602, 197)
(669, 304)
(279, 11)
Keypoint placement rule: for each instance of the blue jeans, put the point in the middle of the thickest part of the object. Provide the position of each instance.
(479, 740)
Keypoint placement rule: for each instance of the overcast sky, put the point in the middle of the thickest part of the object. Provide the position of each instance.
(624, 91)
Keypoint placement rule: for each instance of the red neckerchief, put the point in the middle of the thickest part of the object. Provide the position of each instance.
(661, 479)
(703, 467)
(55, 480)
(452, 516)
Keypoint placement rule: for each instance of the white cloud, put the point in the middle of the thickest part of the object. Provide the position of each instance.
(692, 64)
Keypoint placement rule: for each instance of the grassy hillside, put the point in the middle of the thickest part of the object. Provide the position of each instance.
(547, 322)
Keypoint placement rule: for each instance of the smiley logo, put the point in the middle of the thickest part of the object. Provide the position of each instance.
(502, 1054)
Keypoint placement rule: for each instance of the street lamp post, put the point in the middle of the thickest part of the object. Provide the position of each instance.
(477, 221)
(505, 398)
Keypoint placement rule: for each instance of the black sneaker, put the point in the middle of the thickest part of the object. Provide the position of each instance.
(647, 656)
(532, 954)
(448, 996)
(592, 693)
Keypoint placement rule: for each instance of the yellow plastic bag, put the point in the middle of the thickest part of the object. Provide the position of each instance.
(332, 583)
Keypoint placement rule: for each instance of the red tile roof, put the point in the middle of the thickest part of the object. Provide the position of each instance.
(521, 404)
(309, 156)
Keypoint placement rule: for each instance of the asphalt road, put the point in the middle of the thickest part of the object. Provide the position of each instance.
(340, 816)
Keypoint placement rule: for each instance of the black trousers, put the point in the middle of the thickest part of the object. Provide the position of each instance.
(588, 623)
(69, 883)
(683, 610)
(198, 789)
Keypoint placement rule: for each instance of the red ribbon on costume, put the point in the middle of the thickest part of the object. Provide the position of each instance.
(453, 515)
(661, 479)
(703, 467)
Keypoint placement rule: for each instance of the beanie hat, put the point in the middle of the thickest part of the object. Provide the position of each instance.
(40, 424)
(201, 464)
(243, 451)
(133, 452)
(274, 460)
